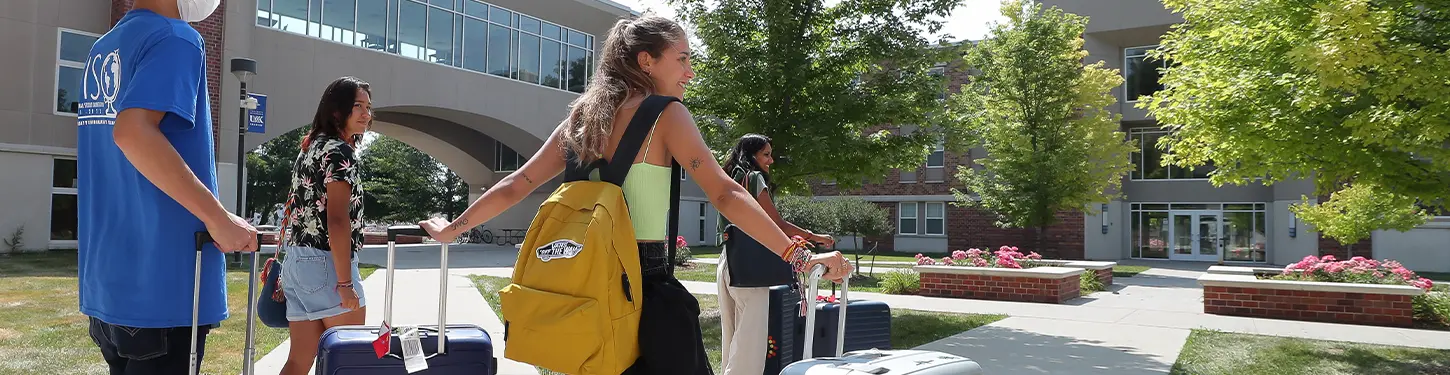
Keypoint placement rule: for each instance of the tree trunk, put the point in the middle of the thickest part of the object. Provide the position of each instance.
(1039, 234)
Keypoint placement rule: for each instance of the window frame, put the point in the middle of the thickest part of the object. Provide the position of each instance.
(62, 63)
(1126, 57)
(915, 218)
(926, 218)
(498, 148)
(1142, 146)
(50, 205)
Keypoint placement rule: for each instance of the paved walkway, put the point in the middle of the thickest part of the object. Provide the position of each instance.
(1137, 327)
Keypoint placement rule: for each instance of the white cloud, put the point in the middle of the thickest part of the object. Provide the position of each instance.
(968, 21)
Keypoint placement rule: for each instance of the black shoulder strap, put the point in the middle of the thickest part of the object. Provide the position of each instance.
(675, 174)
(617, 169)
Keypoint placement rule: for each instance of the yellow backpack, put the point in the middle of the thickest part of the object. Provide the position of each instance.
(574, 303)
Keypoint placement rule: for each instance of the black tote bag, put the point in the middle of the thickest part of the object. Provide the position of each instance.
(751, 264)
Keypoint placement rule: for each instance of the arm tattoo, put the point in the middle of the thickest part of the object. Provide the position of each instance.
(461, 222)
(527, 179)
(695, 164)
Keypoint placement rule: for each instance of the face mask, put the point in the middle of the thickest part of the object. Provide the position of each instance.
(196, 10)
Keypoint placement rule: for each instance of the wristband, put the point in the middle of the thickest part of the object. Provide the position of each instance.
(797, 255)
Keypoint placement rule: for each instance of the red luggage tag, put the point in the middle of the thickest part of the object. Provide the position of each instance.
(384, 343)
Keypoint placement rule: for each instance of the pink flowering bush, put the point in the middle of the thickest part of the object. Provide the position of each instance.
(1355, 270)
(1004, 257)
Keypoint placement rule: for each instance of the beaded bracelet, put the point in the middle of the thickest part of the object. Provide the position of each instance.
(797, 255)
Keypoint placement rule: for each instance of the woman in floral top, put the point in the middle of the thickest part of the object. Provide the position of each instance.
(320, 276)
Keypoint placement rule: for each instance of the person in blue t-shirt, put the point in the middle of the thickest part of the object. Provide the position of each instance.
(147, 184)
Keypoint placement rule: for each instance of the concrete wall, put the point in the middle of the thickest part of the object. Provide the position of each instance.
(1112, 245)
(1112, 15)
(26, 200)
(1423, 249)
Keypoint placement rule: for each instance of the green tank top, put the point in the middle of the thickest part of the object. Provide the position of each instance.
(647, 193)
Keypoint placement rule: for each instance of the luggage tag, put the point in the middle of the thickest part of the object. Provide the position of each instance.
(413, 359)
(384, 343)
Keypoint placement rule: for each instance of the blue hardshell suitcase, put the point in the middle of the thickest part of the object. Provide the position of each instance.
(784, 328)
(867, 327)
(465, 349)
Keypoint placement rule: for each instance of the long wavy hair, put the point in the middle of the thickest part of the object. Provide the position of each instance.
(591, 118)
(335, 108)
(742, 156)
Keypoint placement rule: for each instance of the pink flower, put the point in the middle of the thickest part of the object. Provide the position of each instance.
(924, 261)
(1006, 262)
(1004, 248)
(1423, 283)
(1335, 267)
(1327, 259)
(980, 262)
(1034, 256)
(680, 242)
(975, 253)
(959, 255)
(1014, 249)
(946, 260)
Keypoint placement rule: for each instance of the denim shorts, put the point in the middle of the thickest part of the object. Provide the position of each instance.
(309, 283)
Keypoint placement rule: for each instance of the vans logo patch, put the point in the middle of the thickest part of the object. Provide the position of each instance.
(559, 249)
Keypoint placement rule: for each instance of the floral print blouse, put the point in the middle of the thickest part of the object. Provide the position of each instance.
(325, 160)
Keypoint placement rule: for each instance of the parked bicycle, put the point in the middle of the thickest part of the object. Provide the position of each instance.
(475, 235)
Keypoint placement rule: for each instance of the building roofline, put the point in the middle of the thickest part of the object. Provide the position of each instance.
(607, 4)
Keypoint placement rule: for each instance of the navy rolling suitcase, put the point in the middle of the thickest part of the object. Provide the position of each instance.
(784, 328)
(450, 348)
(867, 327)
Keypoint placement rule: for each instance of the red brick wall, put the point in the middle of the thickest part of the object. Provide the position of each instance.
(1021, 289)
(1105, 275)
(1330, 246)
(1332, 307)
(211, 30)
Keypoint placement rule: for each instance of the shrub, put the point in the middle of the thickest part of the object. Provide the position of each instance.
(1433, 307)
(1004, 257)
(682, 251)
(1090, 283)
(901, 282)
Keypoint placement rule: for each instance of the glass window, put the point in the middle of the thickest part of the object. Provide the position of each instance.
(63, 212)
(1149, 159)
(529, 24)
(937, 157)
(63, 173)
(475, 8)
(440, 36)
(70, 69)
(475, 42)
(1141, 73)
(412, 27)
(445, 4)
(935, 218)
(578, 67)
(457, 40)
(1136, 235)
(528, 58)
(906, 217)
(578, 39)
(551, 31)
(506, 159)
(500, 61)
(314, 18)
(339, 19)
(500, 16)
(553, 64)
(1153, 234)
(291, 15)
(372, 24)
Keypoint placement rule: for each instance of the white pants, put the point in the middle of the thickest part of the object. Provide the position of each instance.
(744, 321)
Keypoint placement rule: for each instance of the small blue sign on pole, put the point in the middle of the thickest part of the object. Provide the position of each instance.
(257, 118)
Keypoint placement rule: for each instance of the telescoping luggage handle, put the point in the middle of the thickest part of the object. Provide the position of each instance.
(442, 331)
(203, 238)
(813, 290)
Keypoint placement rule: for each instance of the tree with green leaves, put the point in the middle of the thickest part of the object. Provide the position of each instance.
(403, 184)
(1354, 94)
(1042, 117)
(818, 79)
(860, 220)
(269, 171)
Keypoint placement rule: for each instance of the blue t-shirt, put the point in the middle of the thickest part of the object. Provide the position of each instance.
(137, 244)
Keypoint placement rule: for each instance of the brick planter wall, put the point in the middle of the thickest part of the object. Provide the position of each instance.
(1054, 288)
(1241, 294)
(1105, 276)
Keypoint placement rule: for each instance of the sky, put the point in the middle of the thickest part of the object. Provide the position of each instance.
(967, 22)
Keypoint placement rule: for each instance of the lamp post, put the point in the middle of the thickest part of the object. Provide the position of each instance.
(244, 69)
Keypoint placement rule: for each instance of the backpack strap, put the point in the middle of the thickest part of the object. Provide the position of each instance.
(674, 218)
(617, 169)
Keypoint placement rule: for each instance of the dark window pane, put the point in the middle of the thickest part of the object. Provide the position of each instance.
(553, 64)
(68, 90)
(475, 41)
(499, 60)
(63, 217)
(1156, 236)
(528, 58)
(551, 30)
(1153, 167)
(1155, 207)
(1136, 140)
(577, 67)
(440, 36)
(475, 8)
(63, 173)
(372, 23)
(936, 159)
(264, 4)
(75, 47)
(446, 4)
(1244, 207)
(934, 226)
(1136, 237)
(412, 27)
(1142, 75)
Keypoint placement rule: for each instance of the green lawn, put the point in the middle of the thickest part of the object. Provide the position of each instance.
(908, 328)
(1128, 271)
(1212, 352)
(43, 332)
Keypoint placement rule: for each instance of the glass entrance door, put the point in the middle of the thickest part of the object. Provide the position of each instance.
(1197, 235)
